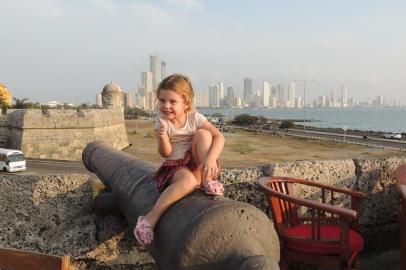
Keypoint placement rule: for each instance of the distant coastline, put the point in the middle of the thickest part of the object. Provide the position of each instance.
(360, 119)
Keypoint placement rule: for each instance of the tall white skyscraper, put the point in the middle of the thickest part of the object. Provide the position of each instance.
(163, 70)
(129, 100)
(214, 95)
(298, 102)
(266, 92)
(248, 94)
(201, 99)
(146, 81)
(155, 66)
(230, 97)
(333, 98)
(99, 100)
(344, 96)
(292, 94)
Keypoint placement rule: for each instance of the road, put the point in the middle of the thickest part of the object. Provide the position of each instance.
(335, 136)
(46, 166)
(350, 138)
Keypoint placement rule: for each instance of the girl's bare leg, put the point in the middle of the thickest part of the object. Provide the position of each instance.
(183, 182)
(201, 144)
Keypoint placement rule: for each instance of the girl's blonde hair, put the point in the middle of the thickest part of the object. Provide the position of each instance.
(181, 85)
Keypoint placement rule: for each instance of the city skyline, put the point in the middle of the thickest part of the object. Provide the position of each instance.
(48, 56)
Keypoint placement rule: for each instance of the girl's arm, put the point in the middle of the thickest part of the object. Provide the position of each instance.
(209, 166)
(164, 145)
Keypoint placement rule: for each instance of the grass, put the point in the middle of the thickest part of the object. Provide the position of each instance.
(246, 149)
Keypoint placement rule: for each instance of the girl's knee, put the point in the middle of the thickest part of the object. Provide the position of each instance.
(202, 135)
(186, 178)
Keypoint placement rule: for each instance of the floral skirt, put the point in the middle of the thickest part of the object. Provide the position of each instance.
(169, 167)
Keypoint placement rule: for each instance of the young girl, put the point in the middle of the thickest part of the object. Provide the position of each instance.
(190, 145)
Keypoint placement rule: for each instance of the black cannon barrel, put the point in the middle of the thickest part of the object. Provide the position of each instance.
(197, 232)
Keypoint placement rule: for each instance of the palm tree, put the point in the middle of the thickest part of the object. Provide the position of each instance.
(20, 103)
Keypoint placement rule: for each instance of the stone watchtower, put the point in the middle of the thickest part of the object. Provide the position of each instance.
(112, 96)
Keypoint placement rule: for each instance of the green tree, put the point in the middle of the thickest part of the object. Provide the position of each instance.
(134, 113)
(20, 103)
(245, 120)
(287, 124)
(262, 120)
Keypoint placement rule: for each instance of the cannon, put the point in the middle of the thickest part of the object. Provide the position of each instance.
(198, 232)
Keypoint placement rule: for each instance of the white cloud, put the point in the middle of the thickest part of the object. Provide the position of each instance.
(186, 4)
(108, 5)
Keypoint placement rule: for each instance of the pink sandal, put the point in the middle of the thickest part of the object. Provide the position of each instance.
(214, 187)
(143, 232)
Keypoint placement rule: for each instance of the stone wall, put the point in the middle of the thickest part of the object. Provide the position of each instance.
(63, 134)
(374, 177)
(53, 213)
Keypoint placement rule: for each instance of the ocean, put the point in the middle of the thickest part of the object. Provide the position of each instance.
(368, 119)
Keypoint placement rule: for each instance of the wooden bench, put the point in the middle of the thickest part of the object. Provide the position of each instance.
(14, 259)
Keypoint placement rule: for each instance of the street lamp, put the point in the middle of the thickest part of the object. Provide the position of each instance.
(304, 99)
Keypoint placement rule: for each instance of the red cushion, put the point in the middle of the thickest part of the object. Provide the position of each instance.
(356, 242)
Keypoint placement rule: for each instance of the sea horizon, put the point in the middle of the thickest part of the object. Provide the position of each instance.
(367, 119)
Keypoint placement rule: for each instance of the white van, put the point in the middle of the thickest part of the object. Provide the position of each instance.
(12, 160)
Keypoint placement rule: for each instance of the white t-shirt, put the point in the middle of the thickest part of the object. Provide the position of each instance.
(181, 138)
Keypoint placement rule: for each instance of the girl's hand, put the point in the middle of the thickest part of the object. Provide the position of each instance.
(210, 170)
(162, 132)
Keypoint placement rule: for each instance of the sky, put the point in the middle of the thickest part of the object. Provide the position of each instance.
(68, 50)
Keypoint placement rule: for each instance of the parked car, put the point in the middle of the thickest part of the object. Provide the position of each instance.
(12, 160)
(392, 135)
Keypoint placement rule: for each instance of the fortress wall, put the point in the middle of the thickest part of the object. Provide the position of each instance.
(375, 177)
(63, 134)
(56, 215)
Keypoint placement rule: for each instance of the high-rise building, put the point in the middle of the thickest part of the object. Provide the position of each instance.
(201, 99)
(322, 102)
(379, 101)
(99, 100)
(272, 102)
(292, 94)
(214, 95)
(155, 66)
(248, 95)
(230, 97)
(266, 91)
(344, 96)
(280, 94)
(140, 102)
(298, 102)
(147, 81)
(333, 98)
(163, 70)
(129, 100)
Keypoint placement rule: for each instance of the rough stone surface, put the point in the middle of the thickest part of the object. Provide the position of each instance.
(63, 134)
(53, 213)
(380, 209)
(240, 185)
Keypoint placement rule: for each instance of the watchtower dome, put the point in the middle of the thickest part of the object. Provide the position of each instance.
(112, 96)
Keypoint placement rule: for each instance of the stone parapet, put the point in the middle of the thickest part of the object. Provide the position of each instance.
(53, 213)
(61, 118)
(62, 134)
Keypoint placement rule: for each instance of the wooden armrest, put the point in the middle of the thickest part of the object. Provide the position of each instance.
(349, 214)
(356, 194)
